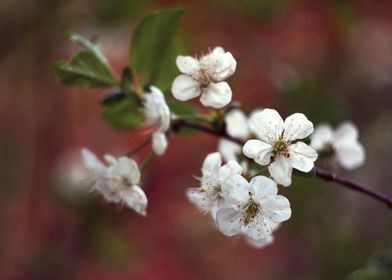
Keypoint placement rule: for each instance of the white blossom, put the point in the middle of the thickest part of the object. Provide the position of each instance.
(342, 144)
(205, 77)
(117, 180)
(253, 208)
(157, 114)
(278, 146)
(209, 197)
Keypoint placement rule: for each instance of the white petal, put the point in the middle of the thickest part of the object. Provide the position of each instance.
(184, 87)
(135, 198)
(349, 152)
(258, 110)
(111, 160)
(235, 190)
(211, 164)
(228, 149)
(216, 95)
(267, 124)
(109, 191)
(198, 197)
(230, 168)
(260, 227)
(156, 109)
(302, 156)
(297, 126)
(281, 170)
(91, 162)
(128, 168)
(259, 244)
(262, 186)
(219, 64)
(229, 221)
(277, 208)
(347, 132)
(321, 136)
(350, 156)
(153, 98)
(258, 150)
(159, 143)
(165, 118)
(237, 124)
(187, 65)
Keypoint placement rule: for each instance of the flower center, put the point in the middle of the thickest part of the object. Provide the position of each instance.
(280, 148)
(126, 181)
(216, 192)
(252, 208)
(204, 77)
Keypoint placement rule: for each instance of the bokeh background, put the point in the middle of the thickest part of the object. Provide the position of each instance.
(331, 60)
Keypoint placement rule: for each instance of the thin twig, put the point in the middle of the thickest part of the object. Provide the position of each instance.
(320, 173)
(146, 161)
(138, 147)
(331, 177)
(178, 124)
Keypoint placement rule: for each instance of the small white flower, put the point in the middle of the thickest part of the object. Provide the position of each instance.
(157, 114)
(117, 181)
(253, 208)
(237, 127)
(278, 146)
(208, 197)
(342, 144)
(205, 77)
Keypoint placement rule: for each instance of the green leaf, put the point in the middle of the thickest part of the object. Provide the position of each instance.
(113, 98)
(123, 115)
(126, 80)
(152, 45)
(84, 70)
(186, 112)
(183, 110)
(379, 267)
(169, 69)
(88, 44)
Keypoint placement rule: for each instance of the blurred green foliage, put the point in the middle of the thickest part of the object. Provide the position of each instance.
(125, 114)
(85, 69)
(312, 97)
(379, 267)
(153, 49)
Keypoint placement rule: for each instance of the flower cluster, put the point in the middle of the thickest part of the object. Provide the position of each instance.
(238, 207)
(117, 180)
(234, 188)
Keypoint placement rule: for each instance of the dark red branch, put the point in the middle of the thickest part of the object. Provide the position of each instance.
(320, 173)
(178, 124)
(331, 177)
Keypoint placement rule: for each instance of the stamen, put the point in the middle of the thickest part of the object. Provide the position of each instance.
(280, 148)
(251, 210)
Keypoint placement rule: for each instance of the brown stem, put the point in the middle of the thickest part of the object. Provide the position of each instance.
(320, 173)
(331, 177)
(178, 124)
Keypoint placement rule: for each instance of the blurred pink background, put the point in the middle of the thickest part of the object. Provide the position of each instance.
(331, 60)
